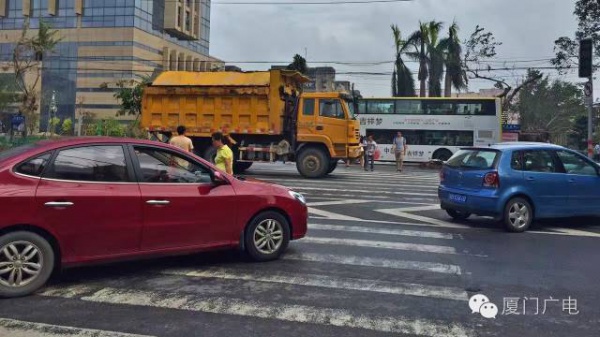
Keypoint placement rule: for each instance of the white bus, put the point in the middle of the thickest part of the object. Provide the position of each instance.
(434, 128)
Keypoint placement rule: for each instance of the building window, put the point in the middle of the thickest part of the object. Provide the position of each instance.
(180, 16)
(188, 21)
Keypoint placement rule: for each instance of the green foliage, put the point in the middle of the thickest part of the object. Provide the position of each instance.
(550, 106)
(567, 49)
(26, 57)
(53, 123)
(403, 82)
(67, 126)
(299, 64)
(109, 127)
(129, 94)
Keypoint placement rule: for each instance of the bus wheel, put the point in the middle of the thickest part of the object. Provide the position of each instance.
(442, 154)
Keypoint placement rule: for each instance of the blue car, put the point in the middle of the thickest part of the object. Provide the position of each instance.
(518, 182)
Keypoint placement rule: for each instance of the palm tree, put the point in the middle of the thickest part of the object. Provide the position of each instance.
(419, 40)
(403, 83)
(455, 74)
(435, 58)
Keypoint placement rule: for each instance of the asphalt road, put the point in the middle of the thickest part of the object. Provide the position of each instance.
(380, 259)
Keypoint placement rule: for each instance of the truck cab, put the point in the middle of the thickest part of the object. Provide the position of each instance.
(326, 118)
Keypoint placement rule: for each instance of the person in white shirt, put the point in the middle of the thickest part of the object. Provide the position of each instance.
(370, 152)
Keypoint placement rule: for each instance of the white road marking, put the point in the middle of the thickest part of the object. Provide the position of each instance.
(358, 192)
(284, 312)
(375, 197)
(334, 197)
(370, 230)
(324, 281)
(17, 328)
(331, 215)
(337, 202)
(417, 247)
(375, 262)
(431, 221)
(333, 183)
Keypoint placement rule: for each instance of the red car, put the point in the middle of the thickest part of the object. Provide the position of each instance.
(82, 200)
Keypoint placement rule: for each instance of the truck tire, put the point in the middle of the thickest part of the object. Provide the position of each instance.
(313, 163)
(332, 165)
(240, 167)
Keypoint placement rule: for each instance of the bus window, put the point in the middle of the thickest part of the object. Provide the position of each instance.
(362, 107)
(476, 107)
(437, 108)
(380, 107)
(408, 107)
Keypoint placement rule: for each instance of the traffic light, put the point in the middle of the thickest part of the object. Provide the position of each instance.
(585, 58)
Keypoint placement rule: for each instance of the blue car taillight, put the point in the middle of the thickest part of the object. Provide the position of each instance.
(491, 179)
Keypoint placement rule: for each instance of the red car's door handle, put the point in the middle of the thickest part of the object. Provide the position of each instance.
(158, 202)
(58, 204)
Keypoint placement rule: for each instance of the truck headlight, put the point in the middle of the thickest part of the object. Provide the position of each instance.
(298, 197)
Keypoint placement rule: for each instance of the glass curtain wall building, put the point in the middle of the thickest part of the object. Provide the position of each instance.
(107, 41)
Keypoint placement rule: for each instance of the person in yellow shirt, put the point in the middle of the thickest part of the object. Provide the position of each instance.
(224, 158)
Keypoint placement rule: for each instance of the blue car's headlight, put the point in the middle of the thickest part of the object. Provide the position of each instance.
(298, 197)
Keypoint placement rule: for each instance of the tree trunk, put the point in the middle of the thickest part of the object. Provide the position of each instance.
(447, 84)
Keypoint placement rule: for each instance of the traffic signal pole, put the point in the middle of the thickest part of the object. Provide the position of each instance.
(590, 118)
(586, 70)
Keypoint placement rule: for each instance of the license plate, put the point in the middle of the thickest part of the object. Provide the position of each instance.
(461, 199)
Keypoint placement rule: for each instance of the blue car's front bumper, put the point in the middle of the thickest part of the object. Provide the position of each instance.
(483, 202)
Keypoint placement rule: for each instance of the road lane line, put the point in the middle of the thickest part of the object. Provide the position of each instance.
(375, 262)
(369, 230)
(337, 202)
(284, 312)
(331, 215)
(417, 247)
(17, 328)
(324, 281)
(322, 189)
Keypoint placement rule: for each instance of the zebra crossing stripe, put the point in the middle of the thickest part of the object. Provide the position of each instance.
(375, 262)
(380, 244)
(385, 231)
(283, 312)
(324, 281)
(322, 189)
(17, 328)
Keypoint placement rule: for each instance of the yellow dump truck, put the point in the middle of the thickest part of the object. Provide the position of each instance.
(265, 115)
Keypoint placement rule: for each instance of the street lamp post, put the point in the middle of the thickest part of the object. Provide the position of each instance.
(53, 110)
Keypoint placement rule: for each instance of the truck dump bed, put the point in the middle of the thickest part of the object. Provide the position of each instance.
(231, 102)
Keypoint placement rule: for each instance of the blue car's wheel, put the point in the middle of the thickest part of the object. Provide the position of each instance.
(518, 215)
(458, 215)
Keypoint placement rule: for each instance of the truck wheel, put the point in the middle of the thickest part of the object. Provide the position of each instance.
(240, 167)
(332, 165)
(313, 163)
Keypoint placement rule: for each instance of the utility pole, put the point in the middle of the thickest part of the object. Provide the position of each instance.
(586, 47)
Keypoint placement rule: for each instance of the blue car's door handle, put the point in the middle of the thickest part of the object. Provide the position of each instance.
(530, 178)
